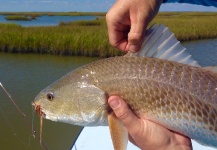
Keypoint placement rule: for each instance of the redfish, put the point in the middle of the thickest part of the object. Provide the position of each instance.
(161, 82)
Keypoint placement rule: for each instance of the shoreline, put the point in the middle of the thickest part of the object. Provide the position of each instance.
(90, 38)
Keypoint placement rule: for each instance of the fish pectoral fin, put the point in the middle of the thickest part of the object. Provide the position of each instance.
(118, 133)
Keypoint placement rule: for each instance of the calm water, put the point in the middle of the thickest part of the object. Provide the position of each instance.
(47, 20)
(203, 51)
(24, 75)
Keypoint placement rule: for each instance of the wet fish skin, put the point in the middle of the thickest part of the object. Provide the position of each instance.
(180, 97)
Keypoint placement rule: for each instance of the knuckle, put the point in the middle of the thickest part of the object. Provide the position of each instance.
(136, 131)
(107, 16)
(135, 37)
(123, 116)
(114, 44)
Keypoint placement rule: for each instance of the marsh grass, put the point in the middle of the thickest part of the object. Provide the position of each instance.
(97, 22)
(190, 26)
(18, 17)
(76, 39)
(90, 38)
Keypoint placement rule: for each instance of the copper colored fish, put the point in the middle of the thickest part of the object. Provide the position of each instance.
(169, 88)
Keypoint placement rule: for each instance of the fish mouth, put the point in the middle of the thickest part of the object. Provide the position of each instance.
(38, 110)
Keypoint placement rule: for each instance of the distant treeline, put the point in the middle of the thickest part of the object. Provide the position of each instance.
(90, 38)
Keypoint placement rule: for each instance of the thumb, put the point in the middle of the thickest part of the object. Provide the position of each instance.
(135, 37)
(124, 114)
(141, 13)
(139, 22)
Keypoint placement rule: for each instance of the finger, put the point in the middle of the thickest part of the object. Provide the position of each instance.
(182, 139)
(118, 27)
(118, 37)
(139, 23)
(141, 15)
(124, 114)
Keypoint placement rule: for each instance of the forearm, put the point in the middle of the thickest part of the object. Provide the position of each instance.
(198, 2)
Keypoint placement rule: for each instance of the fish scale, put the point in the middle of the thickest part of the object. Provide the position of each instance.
(180, 97)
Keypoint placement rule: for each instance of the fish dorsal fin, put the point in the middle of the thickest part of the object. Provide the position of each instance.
(160, 42)
(211, 68)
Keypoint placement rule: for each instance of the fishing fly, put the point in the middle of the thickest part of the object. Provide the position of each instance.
(35, 134)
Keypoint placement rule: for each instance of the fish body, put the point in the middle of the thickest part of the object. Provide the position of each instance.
(178, 96)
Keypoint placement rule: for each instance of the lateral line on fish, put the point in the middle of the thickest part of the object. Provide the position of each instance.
(44, 146)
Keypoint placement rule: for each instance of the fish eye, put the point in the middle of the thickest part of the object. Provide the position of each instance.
(50, 96)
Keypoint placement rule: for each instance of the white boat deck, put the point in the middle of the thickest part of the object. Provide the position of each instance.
(98, 138)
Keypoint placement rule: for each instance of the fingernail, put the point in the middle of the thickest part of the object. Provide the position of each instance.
(134, 48)
(114, 103)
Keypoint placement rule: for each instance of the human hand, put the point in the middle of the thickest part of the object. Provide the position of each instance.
(146, 134)
(127, 21)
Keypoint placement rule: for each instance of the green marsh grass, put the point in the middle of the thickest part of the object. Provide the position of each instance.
(90, 38)
(190, 26)
(82, 23)
(18, 17)
(75, 39)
